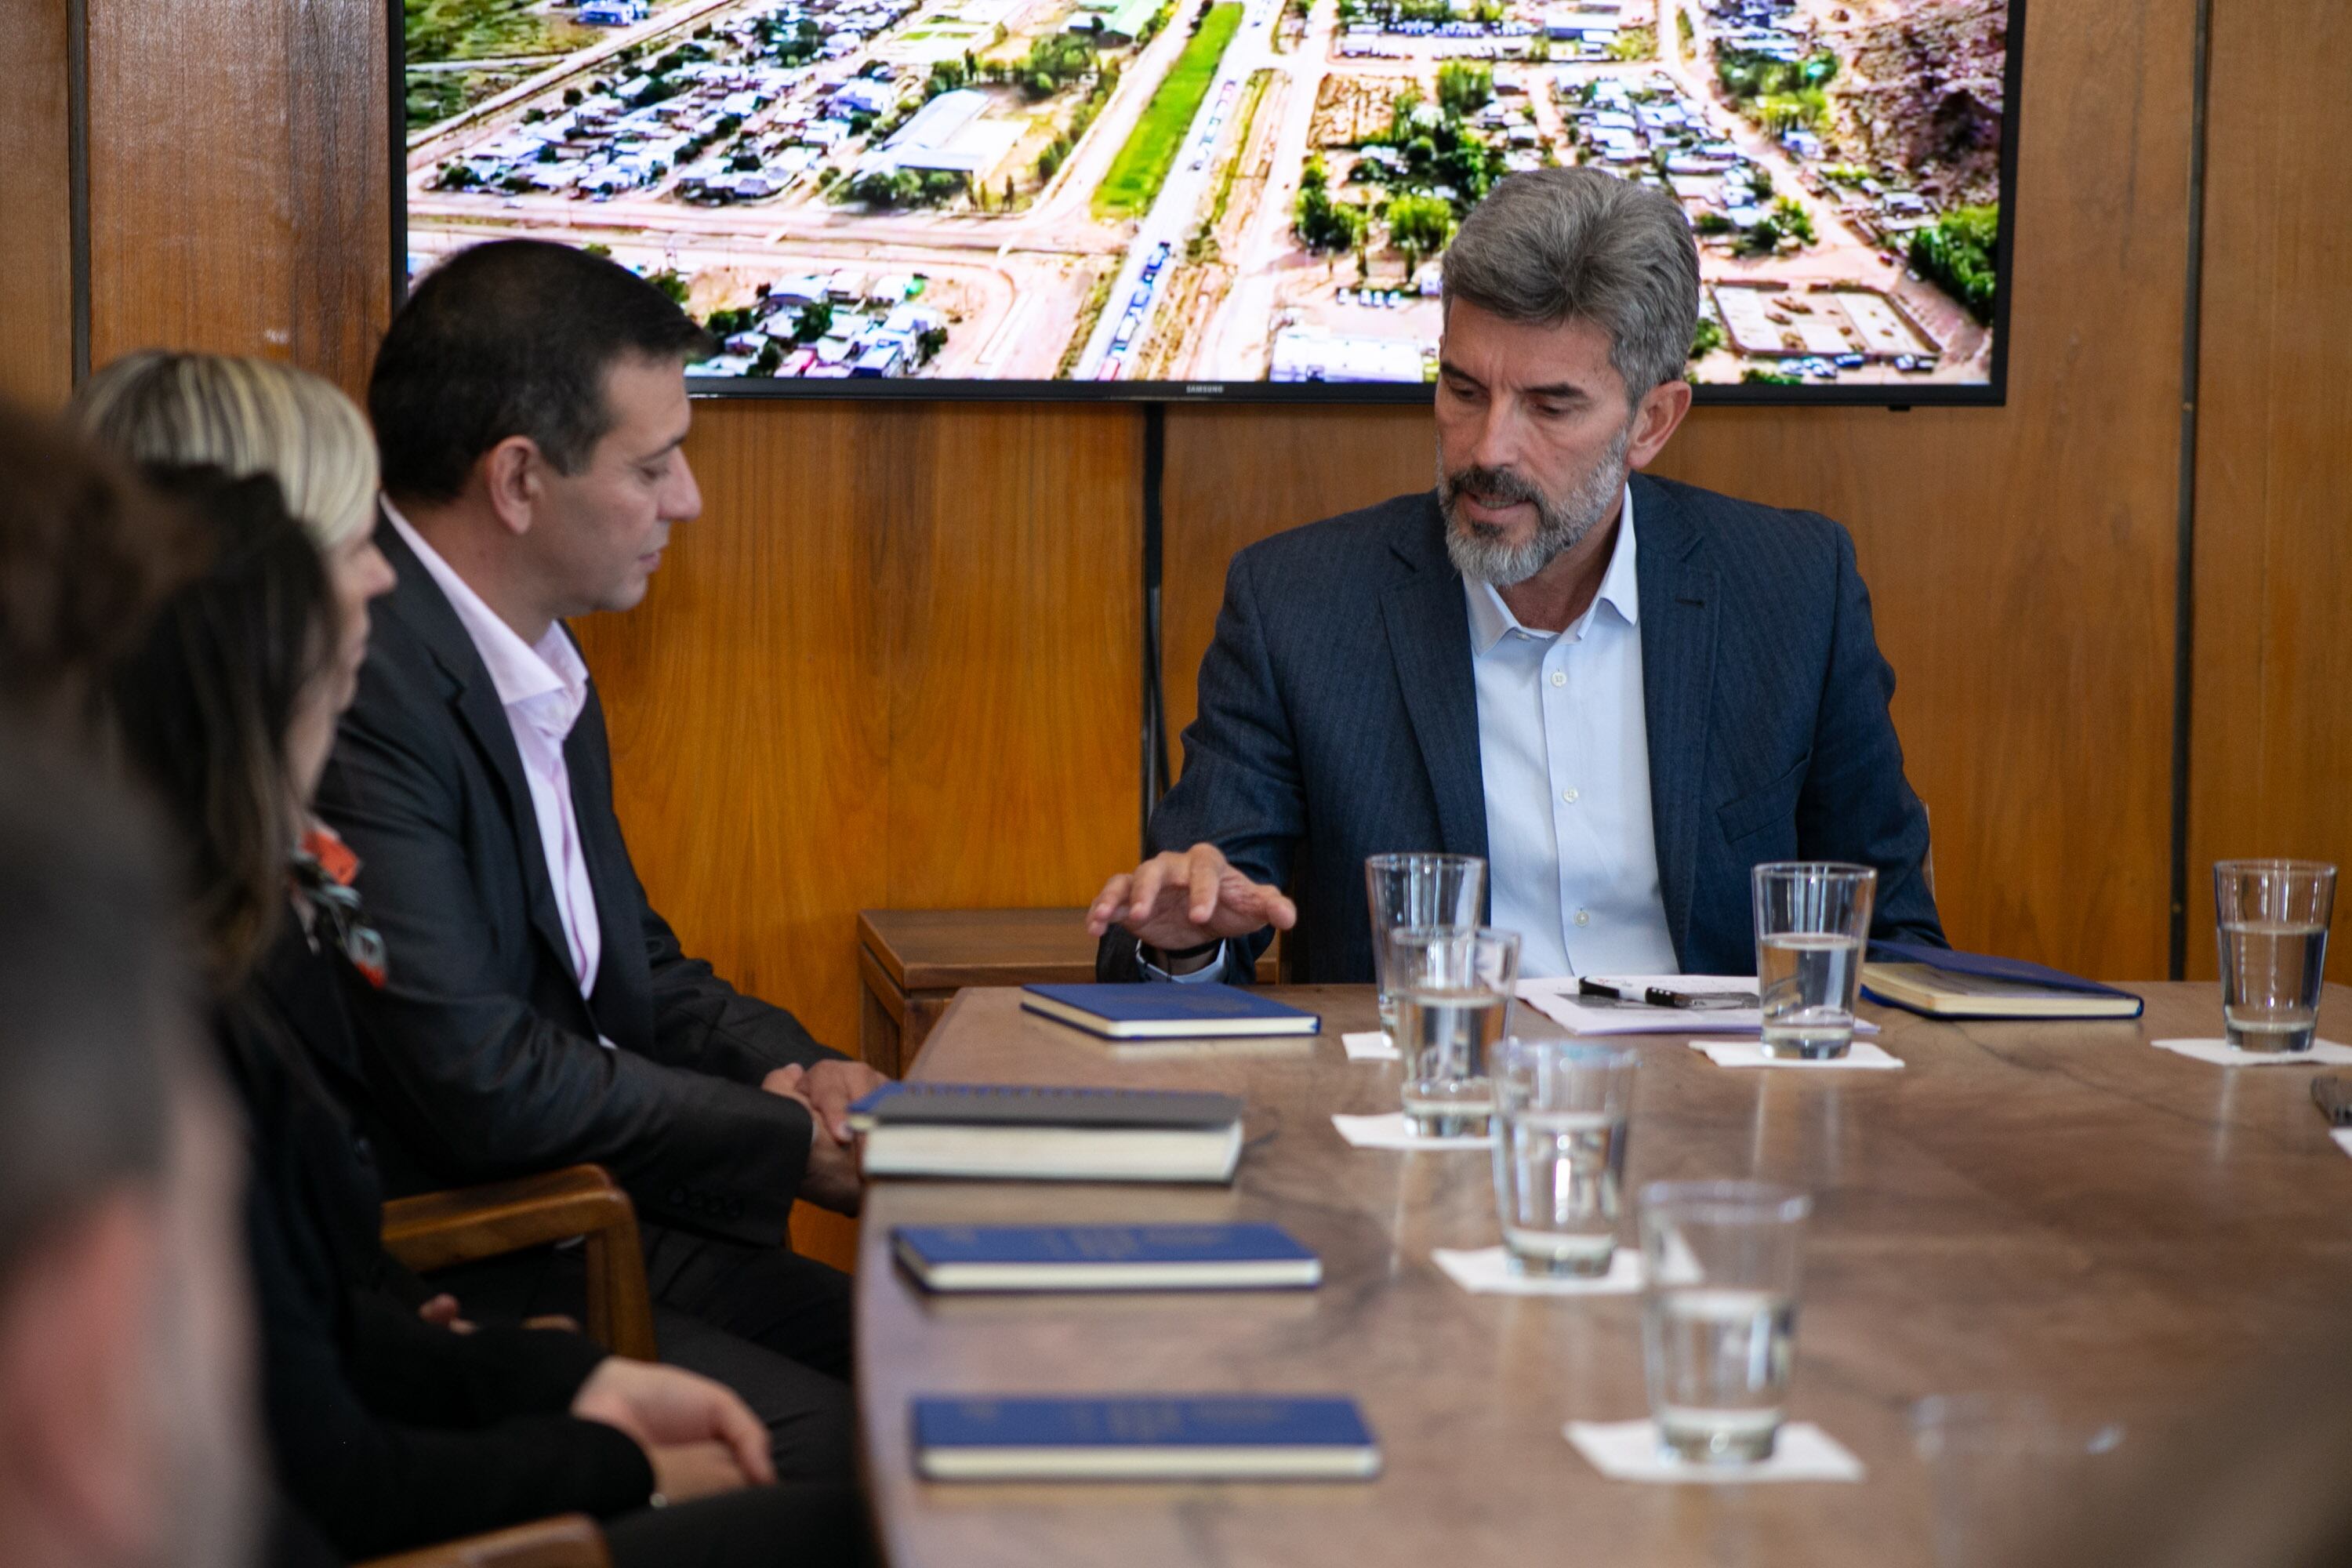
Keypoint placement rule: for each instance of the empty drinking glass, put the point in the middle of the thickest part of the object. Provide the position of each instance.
(1720, 1313)
(1419, 890)
(1454, 1002)
(2271, 922)
(1813, 920)
(1561, 1112)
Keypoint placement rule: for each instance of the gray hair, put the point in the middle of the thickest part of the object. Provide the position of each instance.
(1556, 245)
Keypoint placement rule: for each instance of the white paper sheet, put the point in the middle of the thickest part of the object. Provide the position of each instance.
(1630, 1451)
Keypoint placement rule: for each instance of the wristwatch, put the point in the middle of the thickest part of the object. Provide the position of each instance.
(1160, 958)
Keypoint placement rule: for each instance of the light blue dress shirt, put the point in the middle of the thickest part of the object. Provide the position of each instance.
(1564, 755)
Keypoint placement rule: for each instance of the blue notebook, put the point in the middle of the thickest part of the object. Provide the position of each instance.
(1105, 1257)
(1144, 1437)
(1942, 984)
(1164, 1011)
(1048, 1133)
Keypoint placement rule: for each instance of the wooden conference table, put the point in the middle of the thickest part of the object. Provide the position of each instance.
(2055, 1208)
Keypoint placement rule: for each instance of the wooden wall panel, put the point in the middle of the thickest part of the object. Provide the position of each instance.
(896, 664)
(239, 184)
(2021, 559)
(37, 195)
(2272, 726)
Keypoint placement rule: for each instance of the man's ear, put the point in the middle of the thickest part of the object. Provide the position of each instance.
(514, 474)
(76, 1357)
(1656, 420)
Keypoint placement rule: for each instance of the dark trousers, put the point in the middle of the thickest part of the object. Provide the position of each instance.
(770, 1324)
(791, 1525)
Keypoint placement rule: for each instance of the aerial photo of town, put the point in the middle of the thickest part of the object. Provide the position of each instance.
(1214, 190)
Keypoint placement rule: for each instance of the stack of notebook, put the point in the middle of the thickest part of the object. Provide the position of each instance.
(1005, 1132)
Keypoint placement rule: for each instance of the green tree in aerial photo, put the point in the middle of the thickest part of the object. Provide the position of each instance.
(1959, 251)
(1463, 88)
(1419, 226)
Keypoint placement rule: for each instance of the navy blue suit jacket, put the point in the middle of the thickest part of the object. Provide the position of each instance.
(1338, 719)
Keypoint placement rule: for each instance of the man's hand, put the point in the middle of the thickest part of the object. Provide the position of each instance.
(1175, 901)
(828, 1089)
(441, 1312)
(832, 1180)
(696, 1423)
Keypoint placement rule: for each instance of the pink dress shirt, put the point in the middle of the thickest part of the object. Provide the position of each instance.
(542, 687)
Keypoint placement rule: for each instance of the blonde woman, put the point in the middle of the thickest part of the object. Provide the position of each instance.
(249, 417)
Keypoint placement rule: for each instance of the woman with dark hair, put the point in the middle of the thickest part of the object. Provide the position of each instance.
(388, 1432)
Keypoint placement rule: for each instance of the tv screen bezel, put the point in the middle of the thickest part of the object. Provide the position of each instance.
(1991, 392)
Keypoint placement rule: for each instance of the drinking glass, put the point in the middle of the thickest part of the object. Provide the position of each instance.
(1720, 1313)
(2271, 922)
(1454, 1002)
(1813, 920)
(1561, 1112)
(2002, 1468)
(1419, 890)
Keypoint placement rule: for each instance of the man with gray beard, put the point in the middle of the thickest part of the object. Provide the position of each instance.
(126, 1421)
(1623, 692)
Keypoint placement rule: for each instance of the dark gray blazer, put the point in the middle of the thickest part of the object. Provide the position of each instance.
(482, 1054)
(1338, 719)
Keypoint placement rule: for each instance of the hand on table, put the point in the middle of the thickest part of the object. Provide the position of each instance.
(1174, 901)
(828, 1089)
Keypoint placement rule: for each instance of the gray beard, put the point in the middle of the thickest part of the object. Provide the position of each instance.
(1479, 551)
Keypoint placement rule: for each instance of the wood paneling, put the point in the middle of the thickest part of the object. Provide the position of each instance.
(37, 195)
(897, 664)
(2272, 727)
(239, 180)
(2020, 559)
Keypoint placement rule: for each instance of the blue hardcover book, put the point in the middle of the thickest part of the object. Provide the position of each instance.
(1144, 1437)
(1165, 1012)
(1105, 1257)
(1943, 984)
(1049, 1134)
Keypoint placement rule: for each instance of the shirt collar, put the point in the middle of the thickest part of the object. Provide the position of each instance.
(1491, 619)
(520, 671)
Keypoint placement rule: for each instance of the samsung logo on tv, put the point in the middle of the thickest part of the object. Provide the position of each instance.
(1204, 389)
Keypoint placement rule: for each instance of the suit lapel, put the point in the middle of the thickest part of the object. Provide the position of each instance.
(1678, 611)
(622, 999)
(472, 697)
(1428, 625)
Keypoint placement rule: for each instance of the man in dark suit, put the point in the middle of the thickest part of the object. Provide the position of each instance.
(1624, 693)
(529, 402)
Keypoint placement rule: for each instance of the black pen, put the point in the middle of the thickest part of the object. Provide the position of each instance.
(1652, 996)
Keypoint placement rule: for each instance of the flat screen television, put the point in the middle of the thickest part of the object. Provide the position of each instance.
(1221, 198)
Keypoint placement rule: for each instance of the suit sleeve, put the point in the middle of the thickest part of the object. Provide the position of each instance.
(476, 1083)
(455, 1461)
(1857, 805)
(1241, 788)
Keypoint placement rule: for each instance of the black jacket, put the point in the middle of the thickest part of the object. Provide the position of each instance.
(1338, 719)
(484, 1055)
(386, 1432)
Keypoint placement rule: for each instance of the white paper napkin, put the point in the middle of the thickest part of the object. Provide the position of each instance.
(1487, 1272)
(1750, 1054)
(1392, 1131)
(1630, 1451)
(1368, 1046)
(2221, 1053)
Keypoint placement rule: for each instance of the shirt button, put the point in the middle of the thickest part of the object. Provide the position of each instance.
(1583, 919)
(1560, 678)
(1569, 796)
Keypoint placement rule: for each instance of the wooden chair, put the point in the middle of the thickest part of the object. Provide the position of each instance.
(568, 1541)
(441, 1230)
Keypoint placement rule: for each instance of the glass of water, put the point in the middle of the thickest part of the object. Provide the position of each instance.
(1813, 920)
(1720, 1313)
(1454, 990)
(2273, 917)
(1419, 890)
(1561, 1115)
